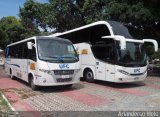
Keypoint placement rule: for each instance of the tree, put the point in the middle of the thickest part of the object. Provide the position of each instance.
(8, 22)
(6, 26)
(16, 33)
(3, 39)
(68, 14)
(62, 15)
(33, 14)
(57, 14)
(12, 30)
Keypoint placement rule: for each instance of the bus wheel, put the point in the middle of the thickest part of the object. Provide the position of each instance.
(32, 85)
(11, 75)
(89, 76)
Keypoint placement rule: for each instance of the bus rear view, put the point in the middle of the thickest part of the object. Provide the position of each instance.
(43, 61)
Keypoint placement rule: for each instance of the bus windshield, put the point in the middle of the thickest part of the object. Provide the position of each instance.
(133, 56)
(51, 50)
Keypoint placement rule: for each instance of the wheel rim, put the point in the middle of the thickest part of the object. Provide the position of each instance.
(89, 75)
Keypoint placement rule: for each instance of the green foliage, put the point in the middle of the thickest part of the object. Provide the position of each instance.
(12, 30)
(68, 14)
(4, 107)
(156, 55)
(16, 33)
(32, 15)
(151, 53)
(8, 22)
(3, 39)
(64, 15)
(95, 10)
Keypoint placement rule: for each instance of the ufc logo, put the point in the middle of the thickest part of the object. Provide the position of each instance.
(136, 70)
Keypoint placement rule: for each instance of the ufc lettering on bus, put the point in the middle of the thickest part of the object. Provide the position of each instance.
(136, 70)
(64, 66)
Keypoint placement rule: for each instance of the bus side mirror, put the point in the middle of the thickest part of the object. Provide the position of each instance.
(29, 45)
(122, 42)
(118, 38)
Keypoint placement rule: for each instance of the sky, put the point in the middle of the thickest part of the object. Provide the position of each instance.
(11, 7)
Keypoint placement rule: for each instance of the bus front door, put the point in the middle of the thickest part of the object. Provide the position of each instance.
(25, 70)
(110, 72)
(105, 72)
(100, 70)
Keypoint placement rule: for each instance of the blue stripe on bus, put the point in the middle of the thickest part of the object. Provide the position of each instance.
(13, 64)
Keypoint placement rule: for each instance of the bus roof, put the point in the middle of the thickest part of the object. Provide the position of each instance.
(85, 27)
(22, 41)
(114, 27)
(38, 37)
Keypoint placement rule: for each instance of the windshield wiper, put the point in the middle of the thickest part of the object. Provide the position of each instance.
(56, 57)
(75, 58)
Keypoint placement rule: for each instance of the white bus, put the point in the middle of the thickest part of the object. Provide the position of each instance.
(43, 61)
(108, 52)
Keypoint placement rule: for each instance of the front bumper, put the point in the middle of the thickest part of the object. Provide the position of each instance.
(121, 78)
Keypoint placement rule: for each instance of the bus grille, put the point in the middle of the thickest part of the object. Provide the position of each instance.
(64, 80)
(63, 72)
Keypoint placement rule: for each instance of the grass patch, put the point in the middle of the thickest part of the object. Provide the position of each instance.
(3, 104)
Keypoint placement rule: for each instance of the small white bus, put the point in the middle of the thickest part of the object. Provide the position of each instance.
(43, 61)
(108, 52)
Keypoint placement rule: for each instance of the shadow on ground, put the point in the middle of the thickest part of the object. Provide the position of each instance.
(49, 89)
(119, 85)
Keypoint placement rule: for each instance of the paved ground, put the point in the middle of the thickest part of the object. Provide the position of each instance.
(99, 96)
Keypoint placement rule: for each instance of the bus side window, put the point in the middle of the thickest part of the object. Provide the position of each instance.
(99, 52)
(110, 56)
(19, 50)
(25, 51)
(32, 53)
(7, 53)
(11, 53)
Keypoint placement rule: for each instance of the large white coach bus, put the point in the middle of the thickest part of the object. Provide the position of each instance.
(43, 61)
(108, 52)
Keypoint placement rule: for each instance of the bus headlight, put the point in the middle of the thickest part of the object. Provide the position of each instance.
(46, 71)
(123, 72)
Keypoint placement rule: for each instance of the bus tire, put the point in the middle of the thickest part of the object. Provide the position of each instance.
(32, 85)
(11, 74)
(89, 76)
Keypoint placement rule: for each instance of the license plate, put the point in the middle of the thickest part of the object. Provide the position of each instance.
(64, 76)
(136, 78)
